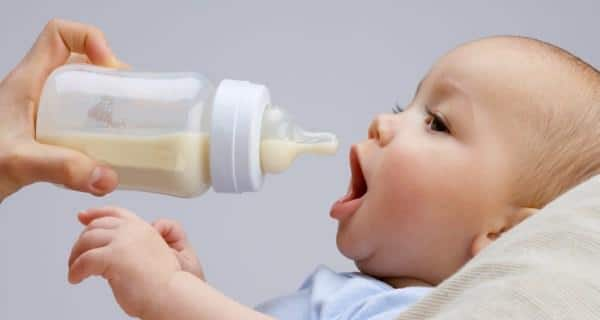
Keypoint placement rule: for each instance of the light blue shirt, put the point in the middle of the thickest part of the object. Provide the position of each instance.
(343, 296)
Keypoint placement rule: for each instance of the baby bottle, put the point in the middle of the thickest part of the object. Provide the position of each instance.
(173, 133)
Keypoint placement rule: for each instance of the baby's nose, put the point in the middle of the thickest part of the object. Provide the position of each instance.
(381, 129)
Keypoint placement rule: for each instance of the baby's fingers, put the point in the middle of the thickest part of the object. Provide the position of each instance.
(103, 223)
(87, 216)
(91, 263)
(90, 240)
(172, 232)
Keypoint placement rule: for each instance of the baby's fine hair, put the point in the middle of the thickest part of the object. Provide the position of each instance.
(566, 140)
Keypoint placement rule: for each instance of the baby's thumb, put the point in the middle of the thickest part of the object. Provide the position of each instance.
(74, 170)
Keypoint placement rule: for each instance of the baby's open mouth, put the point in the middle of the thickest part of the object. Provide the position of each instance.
(349, 203)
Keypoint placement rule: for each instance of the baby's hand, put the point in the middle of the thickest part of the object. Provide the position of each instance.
(174, 235)
(129, 253)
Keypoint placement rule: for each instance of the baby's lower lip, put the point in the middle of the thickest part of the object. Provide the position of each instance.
(342, 209)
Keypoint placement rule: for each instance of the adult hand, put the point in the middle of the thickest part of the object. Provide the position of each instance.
(24, 161)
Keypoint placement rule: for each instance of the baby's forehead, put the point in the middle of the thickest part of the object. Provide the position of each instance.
(487, 61)
(504, 72)
(511, 60)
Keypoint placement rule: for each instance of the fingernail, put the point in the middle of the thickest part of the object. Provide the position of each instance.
(96, 175)
(99, 181)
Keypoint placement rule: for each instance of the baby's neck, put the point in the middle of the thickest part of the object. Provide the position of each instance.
(403, 282)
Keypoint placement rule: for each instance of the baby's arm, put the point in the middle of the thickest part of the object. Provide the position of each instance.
(145, 271)
(188, 297)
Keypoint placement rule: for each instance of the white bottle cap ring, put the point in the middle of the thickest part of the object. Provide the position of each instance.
(235, 136)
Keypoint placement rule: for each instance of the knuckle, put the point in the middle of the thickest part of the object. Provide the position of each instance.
(13, 164)
(52, 24)
(97, 32)
(70, 169)
(92, 225)
(108, 210)
(96, 223)
(86, 236)
(119, 212)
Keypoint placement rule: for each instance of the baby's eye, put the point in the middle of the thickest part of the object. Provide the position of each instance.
(436, 123)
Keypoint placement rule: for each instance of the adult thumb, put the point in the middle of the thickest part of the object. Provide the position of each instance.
(35, 162)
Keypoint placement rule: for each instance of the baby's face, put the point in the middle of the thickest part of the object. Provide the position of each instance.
(431, 179)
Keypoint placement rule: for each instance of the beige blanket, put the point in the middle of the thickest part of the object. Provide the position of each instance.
(548, 267)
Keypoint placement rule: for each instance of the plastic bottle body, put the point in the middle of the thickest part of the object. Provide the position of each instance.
(153, 129)
(162, 131)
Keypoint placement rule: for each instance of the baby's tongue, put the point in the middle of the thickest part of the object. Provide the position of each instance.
(347, 196)
(346, 205)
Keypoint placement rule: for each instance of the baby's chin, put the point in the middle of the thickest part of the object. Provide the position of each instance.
(363, 267)
(375, 269)
(357, 251)
(366, 259)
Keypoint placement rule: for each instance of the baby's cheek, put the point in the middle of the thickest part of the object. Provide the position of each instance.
(406, 184)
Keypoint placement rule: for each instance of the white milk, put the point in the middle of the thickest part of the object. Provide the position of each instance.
(277, 155)
(176, 164)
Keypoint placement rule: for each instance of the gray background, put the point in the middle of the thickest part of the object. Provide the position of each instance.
(333, 64)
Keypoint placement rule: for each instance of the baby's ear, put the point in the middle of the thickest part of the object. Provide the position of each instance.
(486, 237)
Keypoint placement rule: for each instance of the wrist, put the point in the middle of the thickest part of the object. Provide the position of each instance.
(188, 297)
(157, 305)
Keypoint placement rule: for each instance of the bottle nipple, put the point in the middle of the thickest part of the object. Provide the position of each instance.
(283, 141)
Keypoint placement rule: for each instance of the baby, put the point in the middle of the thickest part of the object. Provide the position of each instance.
(497, 129)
